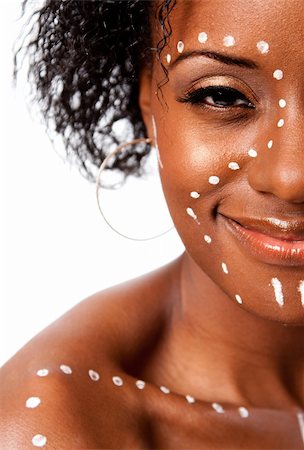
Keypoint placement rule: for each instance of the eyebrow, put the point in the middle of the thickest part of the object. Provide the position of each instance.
(229, 60)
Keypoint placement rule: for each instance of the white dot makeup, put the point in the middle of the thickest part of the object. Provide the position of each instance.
(233, 165)
(202, 37)
(301, 291)
(278, 292)
(263, 47)
(225, 268)
(164, 389)
(207, 239)
(66, 369)
(168, 58)
(190, 399)
(117, 381)
(270, 144)
(282, 103)
(214, 179)
(194, 194)
(39, 440)
(252, 153)
(140, 384)
(243, 412)
(228, 41)
(180, 46)
(278, 74)
(238, 299)
(93, 375)
(218, 408)
(32, 402)
(280, 123)
(42, 372)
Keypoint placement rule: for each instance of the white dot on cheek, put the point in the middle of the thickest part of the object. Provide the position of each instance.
(39, 440)
(66, 369)
(282, 103)
(243, 412)
(117, 381)
(270, 144)
(42, 372)
(32, 402)
(93, 375)
(278, 74)
(225, 268)
(194, 194)
(218, 408)
(214, 179)
(229, 41)
(140, 384)
(168, 58)
(233, 165)
(238, 299)
(280, 123)
(252, 153)
(207, 239)
(202, 37)
(180, 46)
(263, 47)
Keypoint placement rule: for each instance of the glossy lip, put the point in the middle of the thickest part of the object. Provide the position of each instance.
(271, 240)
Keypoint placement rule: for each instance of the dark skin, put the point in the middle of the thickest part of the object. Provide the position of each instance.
(181, 326)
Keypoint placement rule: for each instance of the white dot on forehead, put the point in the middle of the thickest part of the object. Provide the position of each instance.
(190, 399)
(117, 381)
(194, 194)
(66, 369)
(164, 389)
(93, 375)
(280, 123)
(42, 372)
(225, 268)
(278, 74)
(218, 408)
(270, 144)
(180, 46)
(208, 239)
(202, 37)
(282, 103)
(32, 402)
(214, 179)
(263, 47)
(229, 41)
(168, 58)
(39, 440)
(238, 298)
(140, 384)
(252, 153)
(243, 411)
(233, 165)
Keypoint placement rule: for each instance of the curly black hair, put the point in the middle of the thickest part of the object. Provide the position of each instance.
(84, 63)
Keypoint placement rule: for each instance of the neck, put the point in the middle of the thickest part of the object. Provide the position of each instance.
(217, 351)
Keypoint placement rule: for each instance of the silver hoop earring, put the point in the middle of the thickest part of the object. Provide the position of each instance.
(100, 170)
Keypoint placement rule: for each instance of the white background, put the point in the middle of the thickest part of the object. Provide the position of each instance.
(56, 248)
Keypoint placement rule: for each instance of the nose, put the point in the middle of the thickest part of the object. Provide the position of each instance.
(280, 170)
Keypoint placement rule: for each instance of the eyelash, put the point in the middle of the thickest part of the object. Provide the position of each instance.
(195, 97)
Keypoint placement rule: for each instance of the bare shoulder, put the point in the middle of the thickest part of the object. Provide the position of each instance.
(64, 388)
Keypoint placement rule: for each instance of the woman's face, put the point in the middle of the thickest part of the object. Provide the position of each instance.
(231, 143)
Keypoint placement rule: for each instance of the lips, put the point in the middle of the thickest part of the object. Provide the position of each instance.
(271, 240)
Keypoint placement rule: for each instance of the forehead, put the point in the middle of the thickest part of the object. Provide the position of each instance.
(279, 22)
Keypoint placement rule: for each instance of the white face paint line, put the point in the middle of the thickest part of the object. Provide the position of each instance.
(156, 143)
(218, 408)
(282, 103)
(263, 47)
(270, 144)
(225, 268)
(228, 41)
(277, 286)
(243, 412)
(278, 74)
(168, 58)
(252, 153)
(192, 214)
(301, 291)
(280, 123)
(202, 37)
(233, 165)
(238, 299)
(66, 369)
(214, 179)
(207, 239)
(93, 375)
(194, 194)
(32, 402)
(180, 46)
(39, 440)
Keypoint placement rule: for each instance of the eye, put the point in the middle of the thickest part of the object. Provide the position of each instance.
(217, 96)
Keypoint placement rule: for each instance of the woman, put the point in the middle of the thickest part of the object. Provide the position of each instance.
(206, 352)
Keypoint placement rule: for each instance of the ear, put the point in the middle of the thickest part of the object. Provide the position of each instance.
(145, 100)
